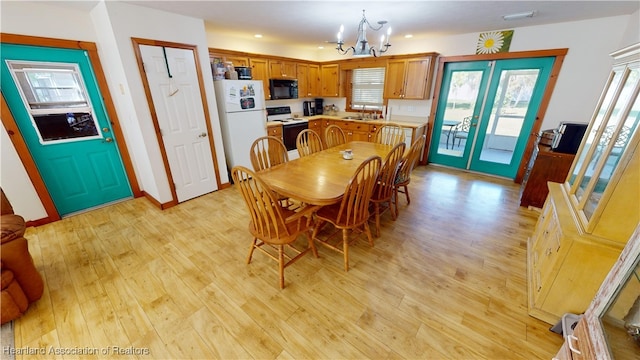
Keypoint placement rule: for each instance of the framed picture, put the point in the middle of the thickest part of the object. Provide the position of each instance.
(492, 42)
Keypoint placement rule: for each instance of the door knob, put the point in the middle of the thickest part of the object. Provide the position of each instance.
(108, 139)
(203, 135)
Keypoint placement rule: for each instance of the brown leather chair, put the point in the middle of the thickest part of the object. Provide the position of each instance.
(21, 282)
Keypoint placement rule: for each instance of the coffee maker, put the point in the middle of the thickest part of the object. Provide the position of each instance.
(309, 108)
(319, 106)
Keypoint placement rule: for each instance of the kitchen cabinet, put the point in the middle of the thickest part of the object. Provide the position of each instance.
(317, 126)
(279, 69)
(408, 78)
(308, 76)
(260, 71)
(236, 60)
(587, 219)
(544, 165)
(355, 130)
(275, 130)
(330, 80)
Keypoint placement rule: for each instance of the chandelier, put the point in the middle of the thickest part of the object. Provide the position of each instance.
(362, 47)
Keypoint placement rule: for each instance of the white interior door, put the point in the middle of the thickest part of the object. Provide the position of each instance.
(173, 81)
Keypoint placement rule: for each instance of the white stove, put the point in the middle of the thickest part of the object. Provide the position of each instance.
(291, 127)
(283, 115)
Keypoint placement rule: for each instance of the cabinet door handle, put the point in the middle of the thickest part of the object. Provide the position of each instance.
(570, 339)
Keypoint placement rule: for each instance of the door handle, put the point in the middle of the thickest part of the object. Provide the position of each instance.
(203, 135)
(108, 140)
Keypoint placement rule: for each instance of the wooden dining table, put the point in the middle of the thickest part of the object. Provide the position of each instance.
(321, 178)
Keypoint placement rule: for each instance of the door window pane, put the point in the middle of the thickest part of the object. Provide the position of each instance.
(56, 98)
(507, 114)
(461, 101)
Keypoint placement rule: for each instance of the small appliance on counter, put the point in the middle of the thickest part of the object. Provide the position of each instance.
(244, 72)
(567, 137)
(319, 106)
(309, 108)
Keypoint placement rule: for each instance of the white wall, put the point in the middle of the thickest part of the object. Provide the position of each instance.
(111, 25)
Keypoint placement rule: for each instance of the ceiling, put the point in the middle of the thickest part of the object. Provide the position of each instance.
(312, 23)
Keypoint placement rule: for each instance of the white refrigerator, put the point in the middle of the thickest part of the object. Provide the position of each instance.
(243, 118)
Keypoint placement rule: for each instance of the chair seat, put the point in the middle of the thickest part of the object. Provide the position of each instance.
(278, 237)
(329, 213)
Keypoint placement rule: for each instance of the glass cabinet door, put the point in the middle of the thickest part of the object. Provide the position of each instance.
(612, 128)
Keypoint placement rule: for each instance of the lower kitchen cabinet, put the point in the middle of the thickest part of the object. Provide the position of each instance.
(275, 130)
(565, 266)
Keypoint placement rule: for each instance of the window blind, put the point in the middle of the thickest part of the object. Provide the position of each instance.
(367, 88)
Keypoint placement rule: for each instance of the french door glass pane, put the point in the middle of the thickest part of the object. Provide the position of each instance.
(507, 114)
(461, 101)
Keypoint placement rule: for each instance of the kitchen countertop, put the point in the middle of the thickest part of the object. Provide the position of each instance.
(408, 124)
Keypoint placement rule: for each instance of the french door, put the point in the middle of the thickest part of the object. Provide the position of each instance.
(485, 112)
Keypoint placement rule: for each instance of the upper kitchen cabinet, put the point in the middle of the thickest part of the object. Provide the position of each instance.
(236, 60)
(603, 183)
(279, 69)
(308, 76)
(409, 79)
(330, 79)
(260, 71)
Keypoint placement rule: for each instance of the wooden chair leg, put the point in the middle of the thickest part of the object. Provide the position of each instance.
(395, 195)
(281, 265)
(368, 232)
(377, 210)
(406, 192)
(345, 248)
(253, 247)
(392, 208)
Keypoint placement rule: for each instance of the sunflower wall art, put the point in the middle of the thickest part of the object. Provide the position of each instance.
(492, 42)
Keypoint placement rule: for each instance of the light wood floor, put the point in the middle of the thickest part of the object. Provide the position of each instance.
(446, 280)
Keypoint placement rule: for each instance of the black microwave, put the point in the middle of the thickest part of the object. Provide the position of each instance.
(283, 89)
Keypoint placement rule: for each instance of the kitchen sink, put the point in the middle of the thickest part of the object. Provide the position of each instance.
(353, 118)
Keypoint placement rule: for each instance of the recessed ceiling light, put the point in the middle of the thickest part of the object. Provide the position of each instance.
(521, 15)
(320, 47)
(408, 36)
(259, 36)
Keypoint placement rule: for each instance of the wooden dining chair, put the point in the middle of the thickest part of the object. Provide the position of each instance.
(333, 136)
(308, 142)
(389, 134)
(274, 228)
(383, 192)
(352, 213)
(406, 166)
(267, 151)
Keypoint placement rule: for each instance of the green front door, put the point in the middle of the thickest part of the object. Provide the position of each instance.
(53, 95)
(486, 111)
